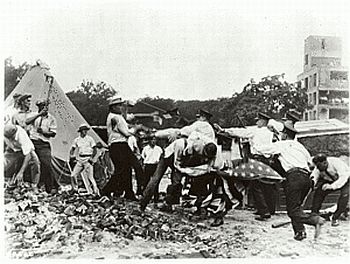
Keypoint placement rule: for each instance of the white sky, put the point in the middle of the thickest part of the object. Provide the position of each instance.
(172, 49)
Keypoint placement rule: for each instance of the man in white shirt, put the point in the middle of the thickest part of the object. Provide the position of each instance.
(264, 195)
(119, 151)
(20, 117)
(151, 155)
(84, 149)
(43, 128)
(19, 150)
(11, 111)
(295, 161)
(330, 174)
(201, 125)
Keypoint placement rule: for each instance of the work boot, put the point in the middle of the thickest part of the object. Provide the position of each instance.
(319, 223)
(263, 217)
(334, 222)
(300, 235)
(218, 221)
(166, 208)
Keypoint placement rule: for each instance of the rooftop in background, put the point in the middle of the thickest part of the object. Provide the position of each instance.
(313, 128)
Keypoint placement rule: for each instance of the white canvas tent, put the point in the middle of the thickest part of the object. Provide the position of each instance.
(35, 82)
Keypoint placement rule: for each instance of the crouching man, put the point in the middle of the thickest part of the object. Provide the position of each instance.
(20, 150)
(330, 174)
(183, 152)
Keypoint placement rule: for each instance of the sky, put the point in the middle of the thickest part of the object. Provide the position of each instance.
(182, 50)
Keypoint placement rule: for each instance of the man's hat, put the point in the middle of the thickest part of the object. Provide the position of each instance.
(289, 128)
(16, 95)
(24, 97)
(83, 127)
(115, 100)
(42, 102)
(129, 103)
(262, 116)
(292, 116)
(9, 130)
(205, 113)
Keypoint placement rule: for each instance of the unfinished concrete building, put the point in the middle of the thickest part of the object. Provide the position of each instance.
(325, 79)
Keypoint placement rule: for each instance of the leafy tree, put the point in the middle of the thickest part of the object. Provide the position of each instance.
(271, 95)
(91, 99)
(13, 75)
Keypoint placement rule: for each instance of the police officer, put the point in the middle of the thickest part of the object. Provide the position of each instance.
(295, 160)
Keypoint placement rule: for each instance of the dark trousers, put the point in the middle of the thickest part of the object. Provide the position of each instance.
(296, 187)
(148, 173)
(264, 195)
(320, 195)
(162, 166)
(43, 150)
(136, 165)
(121, 180)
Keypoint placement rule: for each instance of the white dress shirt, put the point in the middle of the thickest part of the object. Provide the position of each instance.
(151, 155)
(292, 154)
(337, 169)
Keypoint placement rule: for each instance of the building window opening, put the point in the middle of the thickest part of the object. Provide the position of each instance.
(339, 75)
(323, 44)
(315, 79)
(314, 97)
(306, 83)
(306, 59)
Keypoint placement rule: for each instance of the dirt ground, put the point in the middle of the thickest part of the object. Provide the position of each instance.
(36, 229)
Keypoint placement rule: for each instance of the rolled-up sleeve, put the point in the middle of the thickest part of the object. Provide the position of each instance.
(343, 174)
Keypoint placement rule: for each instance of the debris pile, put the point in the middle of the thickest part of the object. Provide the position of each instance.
(42, 224)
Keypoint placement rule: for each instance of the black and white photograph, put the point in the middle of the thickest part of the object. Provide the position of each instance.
(175, 131)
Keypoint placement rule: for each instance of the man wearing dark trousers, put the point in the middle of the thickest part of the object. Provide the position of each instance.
(119, 150)
(151, 155)
(295, 160)
(330, 174)
(43, 129)
(264, 195)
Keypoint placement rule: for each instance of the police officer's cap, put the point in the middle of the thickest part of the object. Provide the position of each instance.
(263, 116)
(289, 128)
(292, 116)
(205, 113)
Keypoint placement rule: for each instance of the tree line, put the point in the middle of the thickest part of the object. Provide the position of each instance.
(272, 95)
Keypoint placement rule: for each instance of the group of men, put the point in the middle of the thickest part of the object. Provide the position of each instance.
(27, 137)
(192, 155)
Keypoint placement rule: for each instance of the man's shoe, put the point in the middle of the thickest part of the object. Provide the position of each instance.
(217, 222)
(263, 217)
(335, 222)
(300, 235)
(319, 223)
(166, 208)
